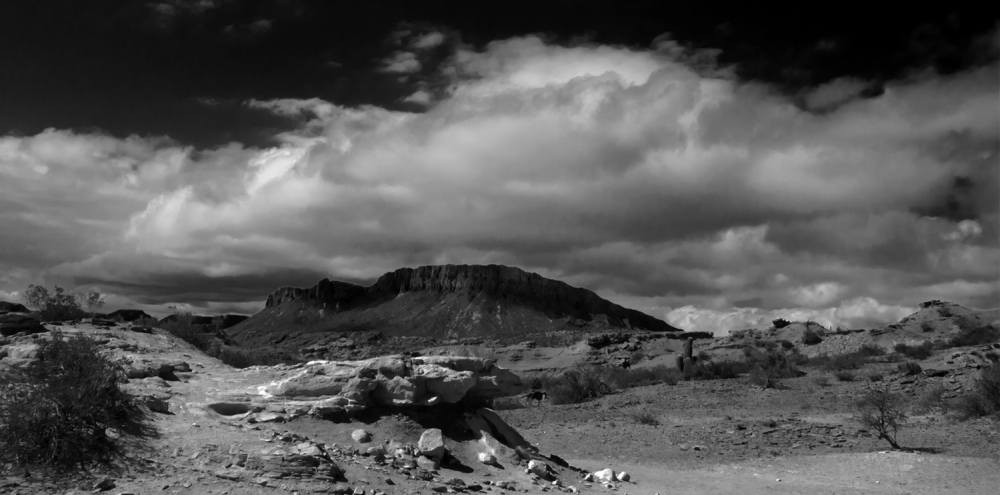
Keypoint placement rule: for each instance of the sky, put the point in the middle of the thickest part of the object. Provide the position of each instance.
(713, 167)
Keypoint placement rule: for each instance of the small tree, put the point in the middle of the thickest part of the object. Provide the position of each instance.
(882, 411)
(780, 323)
(60, 305)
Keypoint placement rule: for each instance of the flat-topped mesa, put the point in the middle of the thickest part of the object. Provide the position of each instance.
(550, 297)
(328, 291)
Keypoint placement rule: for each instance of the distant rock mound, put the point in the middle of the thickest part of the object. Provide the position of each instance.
(9, 307)
(442, 301)
(128, 314)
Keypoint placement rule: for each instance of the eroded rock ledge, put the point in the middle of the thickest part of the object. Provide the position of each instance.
(345, 387)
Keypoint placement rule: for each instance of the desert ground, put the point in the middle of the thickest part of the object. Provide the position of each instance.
(218, 433)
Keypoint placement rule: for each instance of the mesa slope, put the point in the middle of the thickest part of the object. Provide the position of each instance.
(442, 302)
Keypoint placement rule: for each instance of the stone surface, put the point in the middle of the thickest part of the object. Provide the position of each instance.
(398, 381)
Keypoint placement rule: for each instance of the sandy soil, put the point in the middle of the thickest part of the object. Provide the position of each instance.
(711, 437)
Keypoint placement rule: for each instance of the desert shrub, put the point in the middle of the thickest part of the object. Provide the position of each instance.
(909, 368)
(577, 385)
(508, 403)
(620, 378)
(60, 305)
(780, 323)
(926, 326)
(882, 411)
(992, 356)
(810, 337)
(870, 350)
(770, 366)
(944, 312)
(932, 401)
(985, 334)
(984, 398)
(844, 375)
(875, 376)
(786, 344)
(821, 381)
(72, 410)
(919, 352)
(839, 362)
(181, 326)
(646, 418)
(704, 357)
(720, 370)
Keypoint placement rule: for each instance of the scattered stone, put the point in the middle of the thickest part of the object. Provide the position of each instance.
(431, 444)
(104, 485)
(361, 436)
(487, 458)
(605, 475)
(623, 476)
(425, 463)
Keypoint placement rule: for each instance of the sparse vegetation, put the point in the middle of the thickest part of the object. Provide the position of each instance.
(984, 398)
(646, 418)
(985, 334)
(810, 337)
(780, 323)
(875, 376)
(60, 305)
(786, 345)
(918, 352)
(72, 411)
(578, 385)
(844, 375)
(881, 410)
(821, 381)
(927, 327)
(620, 378)
(909, 368)
(932, 401)
(720, 370)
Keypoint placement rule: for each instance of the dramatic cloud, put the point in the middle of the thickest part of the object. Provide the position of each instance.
(670, 188)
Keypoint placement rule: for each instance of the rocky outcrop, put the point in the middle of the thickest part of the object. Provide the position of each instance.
(350, 386)
(14, 323)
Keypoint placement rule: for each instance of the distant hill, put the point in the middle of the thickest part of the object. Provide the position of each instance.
(10, 307)
(223, 321)
(443, 301)
(128, 314)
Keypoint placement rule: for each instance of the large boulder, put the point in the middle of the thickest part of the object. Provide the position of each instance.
(431, 444)
(14, 323)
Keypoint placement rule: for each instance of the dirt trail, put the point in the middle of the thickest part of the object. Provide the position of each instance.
(841, 474)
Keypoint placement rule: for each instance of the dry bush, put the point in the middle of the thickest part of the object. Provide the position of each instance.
(985, 334)
(720, 370)
(932, 401)
(909, 368)
(59, 305)
(66, 413)
(821, 381)
(918, 352)
(577, 385)
(646, 418)
(882, 411)
(844, 375)
(810, 337)
(620, 378)
(984, 398)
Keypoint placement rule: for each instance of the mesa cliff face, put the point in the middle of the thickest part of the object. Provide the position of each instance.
(443, 301)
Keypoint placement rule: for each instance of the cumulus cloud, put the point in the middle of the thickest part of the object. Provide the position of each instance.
(622, 170)
(402, 63)
(862, 312)
(429, 40)
(834, 93)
